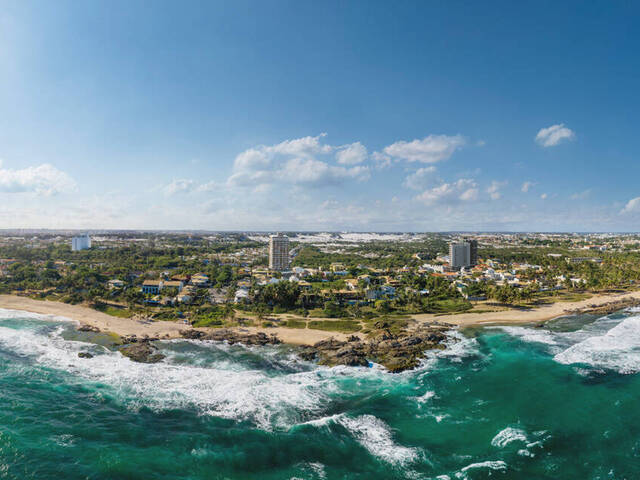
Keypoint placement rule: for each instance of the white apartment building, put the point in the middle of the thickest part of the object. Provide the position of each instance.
(82, 242)
(463, 254)
(278, 252)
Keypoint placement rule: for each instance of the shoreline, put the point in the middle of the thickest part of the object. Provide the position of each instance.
(542, 313)
(161, 328)
(166, 329)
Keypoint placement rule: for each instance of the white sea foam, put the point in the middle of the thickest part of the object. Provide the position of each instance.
(324, 421)
(493, 465)
(618, 349)
(428, 395)
(489, 464)
(252, 395)
(9, 314)
(318, 469)
(508, 435)
(374, 435)
(220, 388)
(607, 343)
(458, 348)
(536, 335)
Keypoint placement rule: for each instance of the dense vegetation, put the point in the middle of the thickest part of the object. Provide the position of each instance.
(51, 270)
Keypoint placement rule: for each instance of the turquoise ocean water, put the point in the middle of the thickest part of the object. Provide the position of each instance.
(561, 402)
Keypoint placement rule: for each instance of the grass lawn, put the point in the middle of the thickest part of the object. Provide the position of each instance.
(344, 326)
(453, 305)
(291, 323)
(209, 322)
(113, 311)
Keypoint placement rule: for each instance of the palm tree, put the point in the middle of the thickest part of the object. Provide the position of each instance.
(228, 311)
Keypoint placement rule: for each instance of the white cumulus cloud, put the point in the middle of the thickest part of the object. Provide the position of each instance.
(316, 172)
(299, 162)
(420, 179)
(554, 135)
(43, 179)
(431, 149)
(450, 193)
(181, 185)
(352, 154)
(494, 189)
(632, 206)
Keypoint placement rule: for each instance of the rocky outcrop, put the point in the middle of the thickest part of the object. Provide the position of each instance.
(135, 339)
(232, 336)
(84, 355)
(609, 307)
(88, 328)
(395, 351)
(142, 352)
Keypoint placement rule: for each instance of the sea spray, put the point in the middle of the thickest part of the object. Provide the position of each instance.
(212, 410)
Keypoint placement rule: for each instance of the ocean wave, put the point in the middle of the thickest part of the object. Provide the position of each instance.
(498, 465)
(227, 384)
(508, 435)
(618, 349)
(375, 435)
(458, 348)
(251, 395)
(535, 335)
(10, 314)
(428, 395)
(607, 343)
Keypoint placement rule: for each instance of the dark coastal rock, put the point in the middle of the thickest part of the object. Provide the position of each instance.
(84, 355)
(232, 336)
(609, 307)
(308, 353)
(88, 328)
(192, 334)
(142, 352)
(396, 352)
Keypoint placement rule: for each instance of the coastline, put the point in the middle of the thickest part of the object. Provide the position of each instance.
(160, 329)
(166, 329)
(537, 314)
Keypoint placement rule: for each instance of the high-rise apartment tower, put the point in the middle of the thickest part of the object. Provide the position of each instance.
(278, 252)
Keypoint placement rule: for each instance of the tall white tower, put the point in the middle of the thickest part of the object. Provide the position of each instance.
(82, 242)
(278, 252)
(460, 254)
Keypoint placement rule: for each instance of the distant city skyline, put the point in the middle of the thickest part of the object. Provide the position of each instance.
(306, 116)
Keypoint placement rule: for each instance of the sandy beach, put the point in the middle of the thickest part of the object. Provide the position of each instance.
(129, 326)
(294, 336)
(533, 315)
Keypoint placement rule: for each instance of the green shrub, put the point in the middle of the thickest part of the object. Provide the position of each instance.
(295, 324)
(345, 326)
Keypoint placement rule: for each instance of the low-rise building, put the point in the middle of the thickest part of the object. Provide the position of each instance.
(242, 295)
(115, 283)
(177, 284)
(200, 280)
(151, 287)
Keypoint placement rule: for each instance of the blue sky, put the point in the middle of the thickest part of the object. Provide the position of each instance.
(384, 116)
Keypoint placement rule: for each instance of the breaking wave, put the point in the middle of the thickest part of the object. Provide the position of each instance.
(618, 349)
(507, 436)
(608, 343)
(375, 435)
(245, 395)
